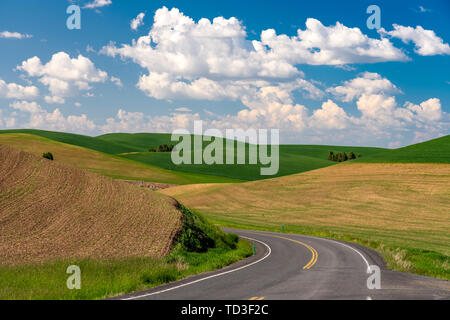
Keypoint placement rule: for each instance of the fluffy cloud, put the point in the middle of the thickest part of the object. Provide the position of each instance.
(138, 122)
(6, 122)
(426, 41)
(14, 35)
(330, 116)
(116, 81)
(367, 83)
(97, 4)
(64, 76)
(427, 111)
(40, 118)
(211, 59)
(16, 91)
(138, 21)
(333, 45)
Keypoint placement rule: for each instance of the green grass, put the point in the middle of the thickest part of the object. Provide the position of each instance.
(108, 278)
(434, 151)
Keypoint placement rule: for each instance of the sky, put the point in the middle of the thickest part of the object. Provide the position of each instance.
(312, 69)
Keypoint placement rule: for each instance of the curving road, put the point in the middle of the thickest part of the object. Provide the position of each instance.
(294, 267)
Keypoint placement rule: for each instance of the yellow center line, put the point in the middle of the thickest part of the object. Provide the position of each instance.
(262, 298)
(257, 298)
(254, 298)
(315, 255)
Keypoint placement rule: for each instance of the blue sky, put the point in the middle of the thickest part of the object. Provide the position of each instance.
(317, 81)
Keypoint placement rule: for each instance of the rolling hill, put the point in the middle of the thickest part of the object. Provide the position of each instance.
(106, 164)
(51, 211)
(293, 158)
(434, 151)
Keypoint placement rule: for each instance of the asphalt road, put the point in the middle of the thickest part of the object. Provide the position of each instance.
(294, 267)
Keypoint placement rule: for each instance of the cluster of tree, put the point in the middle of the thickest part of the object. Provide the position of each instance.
(162, 148)
(48, 156)
(342, 156)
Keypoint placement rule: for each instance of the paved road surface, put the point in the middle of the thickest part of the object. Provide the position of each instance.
(294, 267)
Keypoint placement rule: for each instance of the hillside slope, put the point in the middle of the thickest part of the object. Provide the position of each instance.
(106, 164)
(433, 151)
(293, 158)
(50, 211)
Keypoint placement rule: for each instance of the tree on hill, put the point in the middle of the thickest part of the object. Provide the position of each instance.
(331, 156)
(163, 148)
(344, 156)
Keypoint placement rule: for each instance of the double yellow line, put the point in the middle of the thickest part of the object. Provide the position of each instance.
(315, 255)
(257, 298)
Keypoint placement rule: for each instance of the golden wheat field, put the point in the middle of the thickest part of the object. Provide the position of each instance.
(399, 204)
(50, 211)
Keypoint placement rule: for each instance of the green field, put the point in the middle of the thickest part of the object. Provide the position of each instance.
(293, 158)
(434, 151)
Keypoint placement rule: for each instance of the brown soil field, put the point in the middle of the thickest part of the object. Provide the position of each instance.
(405, 205)
(50, 211)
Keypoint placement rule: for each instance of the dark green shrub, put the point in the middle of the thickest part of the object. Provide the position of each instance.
(152, 149)
(331, 156)
(351, 156)
(48, 156)
(344, 156)
(194, 235)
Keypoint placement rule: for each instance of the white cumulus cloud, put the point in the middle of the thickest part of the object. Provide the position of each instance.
(64, 76)
(366, 83)
(97, 4)
(138, 21)
(16, 91)
(41, 119)
(427, 43)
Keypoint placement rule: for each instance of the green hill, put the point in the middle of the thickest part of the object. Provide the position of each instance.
(293, 158)
(434, 151)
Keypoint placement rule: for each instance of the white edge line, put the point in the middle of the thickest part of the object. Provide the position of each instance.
(350, 247)
(343, 244)
(210, 277)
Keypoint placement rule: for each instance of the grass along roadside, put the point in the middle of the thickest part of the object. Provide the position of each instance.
(202, 247)
(106, 278)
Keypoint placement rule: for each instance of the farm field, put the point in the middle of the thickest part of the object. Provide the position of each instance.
(51, 211)
(402, 206)
(434, 151)
(124, 238)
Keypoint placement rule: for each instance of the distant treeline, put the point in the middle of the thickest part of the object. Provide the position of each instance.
(162, 148)
(342, 156)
